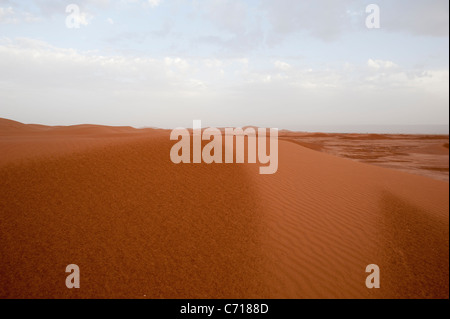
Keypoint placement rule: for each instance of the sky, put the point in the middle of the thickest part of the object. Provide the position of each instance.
(288, 64)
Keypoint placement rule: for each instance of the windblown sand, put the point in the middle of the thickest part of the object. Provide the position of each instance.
(138, 226)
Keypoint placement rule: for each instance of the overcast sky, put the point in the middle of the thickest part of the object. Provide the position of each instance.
(271, 63)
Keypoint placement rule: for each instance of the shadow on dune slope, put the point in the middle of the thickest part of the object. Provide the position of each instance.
(416, 246)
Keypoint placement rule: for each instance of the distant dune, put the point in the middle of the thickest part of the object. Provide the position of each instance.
(110, 200)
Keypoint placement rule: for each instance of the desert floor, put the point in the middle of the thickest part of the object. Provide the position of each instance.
(110, 200)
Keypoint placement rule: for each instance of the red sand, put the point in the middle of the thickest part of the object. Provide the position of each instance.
(138, 226)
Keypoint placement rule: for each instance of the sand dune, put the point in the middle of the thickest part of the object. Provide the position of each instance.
(330, 217)
(111, 201)
(19, 142)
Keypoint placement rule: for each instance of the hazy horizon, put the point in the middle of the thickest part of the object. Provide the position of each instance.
(360, 129)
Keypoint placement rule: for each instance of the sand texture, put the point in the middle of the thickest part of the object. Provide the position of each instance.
(110, 200)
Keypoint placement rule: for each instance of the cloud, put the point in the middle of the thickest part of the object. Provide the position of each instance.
(44, 9)
(234, 26)
(416, 17)
(154, 3)
(324, 19)
(145, 3)
(329, 20)
(380, 64)
(82, 87)
(178, 63)
(7, 15)
(85, 18)
(228, 15)
(282, 65)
